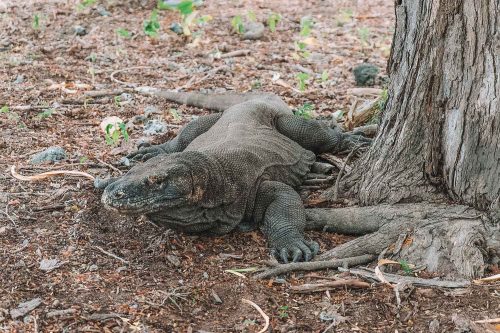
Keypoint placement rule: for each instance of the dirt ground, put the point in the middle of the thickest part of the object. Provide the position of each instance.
(120, 274)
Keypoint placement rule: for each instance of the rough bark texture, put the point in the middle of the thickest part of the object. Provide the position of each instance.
(439, 133)
(453, 240)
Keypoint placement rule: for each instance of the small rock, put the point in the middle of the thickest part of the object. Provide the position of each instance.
(365, 74)
(56, 303)
(80, 30)
(253, 31)
(155, 127)
(19, 79)
(125, 97)
(93, 268)
(177, 28)
(205, 275)
(150, 109)
(25, 307)
(434, 326)
(51, 154)
(48, 265)
(102, 11)
(216, 298)
(174, 260)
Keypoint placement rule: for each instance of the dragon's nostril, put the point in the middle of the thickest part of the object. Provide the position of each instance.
(119, 194)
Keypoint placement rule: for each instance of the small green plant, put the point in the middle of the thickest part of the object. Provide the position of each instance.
(273, 20)
(4, 109)
(305, 110)
(283, 311)
(405, 266)
(175, 114)
(46, 113)
(383, 99)
(118, 100)
(113, 134)
(237, 24)
(123, 33)
(85, 3)
(302, 81)
(306, 24)
(251, 16)
(36, 22)
(83, 159)
(188, 14)
(344, 17)
(364, 35)
(152, 26)
(324, 76)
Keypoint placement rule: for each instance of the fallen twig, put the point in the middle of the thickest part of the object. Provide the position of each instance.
(489, 321)
(314, 265)
(209, 74)
(111, 254)
(103, 93)
(393, 278)
(237, 53)
(109, 166)
(57, 313)
(266, 317)
(337, 161)
(339, 176)
(488, 279)
(49, 174)
(112, 75)
(314, 287)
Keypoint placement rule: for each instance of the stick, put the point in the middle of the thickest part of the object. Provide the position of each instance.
(237, 53)
(339, 176)
(209, 74)
(112, 75)
(49, 174)
(111, 254)
(103, 93)
(488, 321)
(393, 278)
(110, 166)
(337, 161)
(266, 317)
(314, 265)
(314, 287)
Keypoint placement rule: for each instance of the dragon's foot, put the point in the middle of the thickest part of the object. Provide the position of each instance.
(298, 250)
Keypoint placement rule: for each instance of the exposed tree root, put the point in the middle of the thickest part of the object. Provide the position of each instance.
(314, 266)
(454, 240)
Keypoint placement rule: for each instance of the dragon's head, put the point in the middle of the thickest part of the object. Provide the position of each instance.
(162, 182)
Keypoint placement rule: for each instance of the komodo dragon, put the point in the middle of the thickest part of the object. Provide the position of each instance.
(235, 168)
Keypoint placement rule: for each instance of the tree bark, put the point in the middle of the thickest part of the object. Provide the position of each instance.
(440, 131)
(438, 142)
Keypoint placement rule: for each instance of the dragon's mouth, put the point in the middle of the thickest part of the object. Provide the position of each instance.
(129, 206)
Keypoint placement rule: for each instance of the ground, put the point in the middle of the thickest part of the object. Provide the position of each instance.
(121, 274)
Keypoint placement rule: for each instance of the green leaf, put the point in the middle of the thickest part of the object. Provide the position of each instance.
(123, 32)
(152, 26)
(36, 22)
(306, 24)
(324, 76)
(85, 3)
(251, 16)
(123, 130)
(273, 20)
(4, 109)
(405, 266)
(185, 7)
(237, 24)
(46, 114)
(302, 77)
(175, 114)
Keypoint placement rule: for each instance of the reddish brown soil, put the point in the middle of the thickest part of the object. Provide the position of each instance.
(170, 281)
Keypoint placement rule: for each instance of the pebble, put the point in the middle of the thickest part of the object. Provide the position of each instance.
(155, 127)
(80, 30)
(102, 11)
(150, 109)
(177, 28)
(19, 79)
(253, 31)
(93, 268)
(51, 154)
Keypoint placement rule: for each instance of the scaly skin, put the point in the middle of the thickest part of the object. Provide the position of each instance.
(235, 168)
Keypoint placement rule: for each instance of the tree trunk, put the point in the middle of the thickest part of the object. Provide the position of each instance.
(440, 130)
(439, 140)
